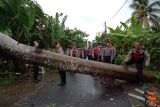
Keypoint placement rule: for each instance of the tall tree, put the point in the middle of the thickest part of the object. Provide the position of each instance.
(147, 13)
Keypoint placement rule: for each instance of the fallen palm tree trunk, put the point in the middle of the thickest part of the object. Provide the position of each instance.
(18, 51)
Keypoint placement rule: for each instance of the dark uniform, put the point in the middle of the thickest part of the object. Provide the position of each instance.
(62, 73)
(107, 55)
(38, 49)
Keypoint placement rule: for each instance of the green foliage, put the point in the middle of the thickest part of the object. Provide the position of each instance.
(157, 79)
(152, 67)
(7, 32)
(5, 81)
(124, 36)
(51, 105)
(119, 59)
(31, 105)
(155, 57)
(25, 21)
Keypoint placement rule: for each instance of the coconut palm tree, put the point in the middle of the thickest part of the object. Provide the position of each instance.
(25, 53)
(147, 13)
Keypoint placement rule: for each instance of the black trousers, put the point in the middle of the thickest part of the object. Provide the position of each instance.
(107, 59)
(35, 72)
(62, 74)
(100, 59)
(85, 56)
(90, 57)
(113, 61)
(95, 57)
(139, 67)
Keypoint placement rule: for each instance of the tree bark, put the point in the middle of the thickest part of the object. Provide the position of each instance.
(12, 49)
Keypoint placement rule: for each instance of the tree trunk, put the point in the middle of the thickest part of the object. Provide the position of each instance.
(12, 49)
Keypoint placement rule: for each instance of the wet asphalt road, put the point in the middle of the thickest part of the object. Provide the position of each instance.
(80, 91)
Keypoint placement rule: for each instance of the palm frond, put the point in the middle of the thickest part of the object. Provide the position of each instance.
(39, 9)
(138, 1)
(155, 21)
(156, 3)
(135, 0)
(128, 21)
(145, 2)
(135, 13)
(64, 20)
(124, 25)
(134, 6)
(155, 16)
(155, 10)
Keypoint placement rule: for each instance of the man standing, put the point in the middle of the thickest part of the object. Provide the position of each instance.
(140, 58)
(100, 55)
(85, 53)
(62, 73)
(96, 53)
(81, 53)
(36, 66)
(90, 53)
(75, 52)
(107, 53)
(113, 55)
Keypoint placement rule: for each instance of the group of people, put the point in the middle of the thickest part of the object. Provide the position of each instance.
(97, 53)
(105, 54)
(138, 56)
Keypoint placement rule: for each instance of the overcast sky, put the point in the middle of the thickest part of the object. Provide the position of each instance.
(88, 15)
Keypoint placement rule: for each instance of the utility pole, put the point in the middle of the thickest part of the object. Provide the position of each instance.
(105, 28)
(104, 34)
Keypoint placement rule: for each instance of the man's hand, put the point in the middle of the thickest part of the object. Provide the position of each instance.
(124, 62)
(146, 64)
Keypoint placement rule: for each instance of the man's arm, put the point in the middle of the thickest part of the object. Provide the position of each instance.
(114, 52)
(111, 53)
(128, 58)
(147, 58)
(71, 52)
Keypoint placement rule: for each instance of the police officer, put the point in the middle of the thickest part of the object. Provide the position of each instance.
(107, 52)
(36, 66)
(140, 57)
(62, 73)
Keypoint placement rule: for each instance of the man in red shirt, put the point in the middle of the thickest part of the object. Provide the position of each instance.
(96, 53)
(90, 53)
